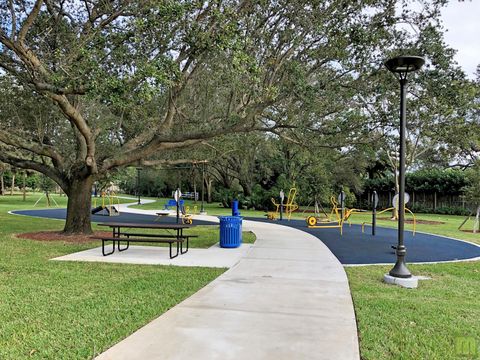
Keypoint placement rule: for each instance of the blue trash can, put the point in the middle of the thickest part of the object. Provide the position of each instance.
(230, 231)
(235, 211)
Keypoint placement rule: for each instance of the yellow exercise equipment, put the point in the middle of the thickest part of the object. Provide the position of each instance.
(390, 209)
(289, 206)
(187, 217)
(335, 220)
(110, 203)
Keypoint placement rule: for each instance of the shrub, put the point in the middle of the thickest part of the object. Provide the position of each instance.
(452, 210)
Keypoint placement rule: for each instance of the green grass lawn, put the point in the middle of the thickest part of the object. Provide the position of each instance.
(70, 310)
(63, 310)
(423, 323)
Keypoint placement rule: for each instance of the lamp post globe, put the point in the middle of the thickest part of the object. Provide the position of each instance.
(401, 66)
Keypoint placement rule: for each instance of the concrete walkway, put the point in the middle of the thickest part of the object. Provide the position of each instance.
(214, 256)
(287, 298)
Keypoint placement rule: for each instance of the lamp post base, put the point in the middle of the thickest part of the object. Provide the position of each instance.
(410, 283)
(400, 269)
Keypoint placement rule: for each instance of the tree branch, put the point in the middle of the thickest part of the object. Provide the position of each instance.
(52, 173)
(77, 119)
(14, 20)
(11, 139)
(41, 86)
(29, 21)
(165, 162)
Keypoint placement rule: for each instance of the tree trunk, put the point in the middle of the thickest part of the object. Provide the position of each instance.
(476, 225)
(24, 186)
(247, 188)
(397, 191)
(12, 184)
(2, 184)
(79, 206)
(208, 186)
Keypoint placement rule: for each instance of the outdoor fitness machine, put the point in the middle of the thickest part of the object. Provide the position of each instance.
(341, 214)
(109, 201)
(281, 208)
(337, 216)
(395, 206)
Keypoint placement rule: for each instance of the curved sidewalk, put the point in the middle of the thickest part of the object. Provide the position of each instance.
(288, 298)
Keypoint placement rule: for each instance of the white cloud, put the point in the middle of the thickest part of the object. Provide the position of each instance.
(461, 20)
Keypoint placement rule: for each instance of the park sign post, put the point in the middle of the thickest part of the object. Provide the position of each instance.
(282, 196)
(177, 195)
(374, 211)
(341, 201)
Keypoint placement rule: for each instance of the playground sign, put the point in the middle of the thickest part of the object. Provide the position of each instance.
(375, 199)
(341, 199)
(177, 195)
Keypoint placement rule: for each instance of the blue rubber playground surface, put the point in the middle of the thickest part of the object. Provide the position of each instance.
(353, 247)
(124, 217)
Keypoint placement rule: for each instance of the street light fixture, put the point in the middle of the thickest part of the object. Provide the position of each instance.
(401, 66)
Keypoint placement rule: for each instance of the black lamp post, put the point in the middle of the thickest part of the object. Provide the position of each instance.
(401, 66)
(138, 184)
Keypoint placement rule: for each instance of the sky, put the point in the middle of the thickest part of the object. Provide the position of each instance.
(462, 20)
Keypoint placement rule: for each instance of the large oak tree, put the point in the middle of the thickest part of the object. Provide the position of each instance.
(91, 86)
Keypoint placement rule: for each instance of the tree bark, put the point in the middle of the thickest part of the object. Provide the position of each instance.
(210, 192)
(12, 184)
(24, 186)
(397, 191)
(247, 188)
(79, 206)
(208, 188)
(476, 225)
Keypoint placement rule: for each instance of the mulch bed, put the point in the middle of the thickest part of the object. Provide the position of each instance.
(60, 236)
(418, 221)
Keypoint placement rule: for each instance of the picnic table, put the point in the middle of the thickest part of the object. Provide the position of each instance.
(121, 233)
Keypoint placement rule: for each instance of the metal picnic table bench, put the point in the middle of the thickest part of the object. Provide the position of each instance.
(123, 236)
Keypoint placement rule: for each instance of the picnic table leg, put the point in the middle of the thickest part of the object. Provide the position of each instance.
(126, 248)
(181, 247)
(103, 248)
(172, 257)
(113, 244)
(118, 241)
